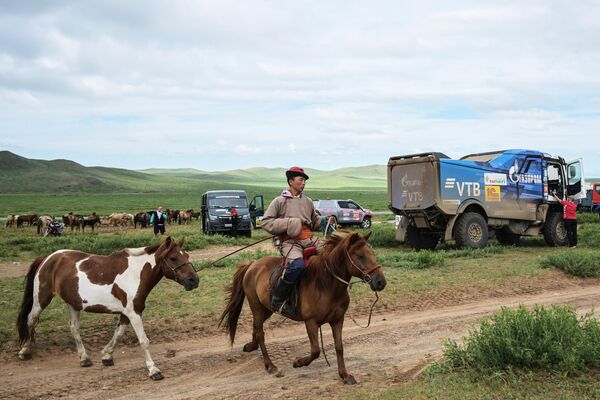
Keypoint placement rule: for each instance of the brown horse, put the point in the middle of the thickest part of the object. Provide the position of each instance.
(322, 294)
(118, 283)
(30, 219)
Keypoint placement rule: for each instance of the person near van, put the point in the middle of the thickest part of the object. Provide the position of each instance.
(234, 221)
(158, 220)
(293, 217)
(570, 218)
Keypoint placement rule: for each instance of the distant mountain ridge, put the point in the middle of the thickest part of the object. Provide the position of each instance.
(23, 175)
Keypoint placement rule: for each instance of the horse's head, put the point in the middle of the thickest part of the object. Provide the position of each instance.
(361, 261)
(175, 264)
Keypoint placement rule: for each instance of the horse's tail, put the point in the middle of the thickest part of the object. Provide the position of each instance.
(27, 303)
(229, 318)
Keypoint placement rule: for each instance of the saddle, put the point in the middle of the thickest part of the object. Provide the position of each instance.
(277, 273)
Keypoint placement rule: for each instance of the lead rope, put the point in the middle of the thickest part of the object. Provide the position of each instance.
(323, 346)
(233, 252)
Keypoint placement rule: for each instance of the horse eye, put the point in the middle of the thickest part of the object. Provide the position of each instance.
(173, 258)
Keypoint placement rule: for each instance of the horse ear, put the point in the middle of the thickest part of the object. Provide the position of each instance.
(181, 242)
(368, 235)
(353, 239)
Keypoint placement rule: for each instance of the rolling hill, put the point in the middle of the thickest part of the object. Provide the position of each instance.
(22, 175)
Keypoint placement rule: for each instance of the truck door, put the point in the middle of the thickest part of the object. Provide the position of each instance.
(257, 210)
(574, 175)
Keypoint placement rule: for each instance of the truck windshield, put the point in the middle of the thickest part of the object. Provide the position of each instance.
(227, 202)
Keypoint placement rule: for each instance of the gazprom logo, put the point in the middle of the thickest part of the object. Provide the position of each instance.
(450, 182)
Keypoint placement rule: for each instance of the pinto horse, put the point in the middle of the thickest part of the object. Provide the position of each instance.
(118, 283)
(322, 294)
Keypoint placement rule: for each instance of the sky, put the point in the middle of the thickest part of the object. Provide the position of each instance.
(219, 85)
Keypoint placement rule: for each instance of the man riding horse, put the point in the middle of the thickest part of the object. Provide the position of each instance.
(291, 216)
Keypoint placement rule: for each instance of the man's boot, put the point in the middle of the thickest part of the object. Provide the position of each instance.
(279, 298)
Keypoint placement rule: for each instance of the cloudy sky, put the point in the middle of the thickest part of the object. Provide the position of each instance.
(219, 85)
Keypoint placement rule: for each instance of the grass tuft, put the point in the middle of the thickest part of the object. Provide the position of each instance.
(553, 339)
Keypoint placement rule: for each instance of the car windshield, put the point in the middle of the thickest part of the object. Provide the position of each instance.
(227, 202)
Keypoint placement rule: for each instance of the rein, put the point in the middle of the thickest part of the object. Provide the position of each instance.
(233, 252)
(365, 279)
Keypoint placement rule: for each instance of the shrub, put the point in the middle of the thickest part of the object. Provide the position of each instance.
(383, 235)
(584, 264)
(552, 339)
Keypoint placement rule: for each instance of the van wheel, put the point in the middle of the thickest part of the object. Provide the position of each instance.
(366, 223)
(555, 233)
(507, 238)
(471, 231)
(419, 241)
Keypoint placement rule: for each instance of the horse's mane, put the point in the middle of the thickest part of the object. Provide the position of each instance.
(317, 270)
(139, 251)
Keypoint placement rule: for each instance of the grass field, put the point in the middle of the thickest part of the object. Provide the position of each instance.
(413, 279)
(106, 203)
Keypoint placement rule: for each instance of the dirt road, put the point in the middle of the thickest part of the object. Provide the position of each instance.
(394, 349)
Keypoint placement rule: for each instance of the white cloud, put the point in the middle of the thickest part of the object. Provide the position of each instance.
(328, 84)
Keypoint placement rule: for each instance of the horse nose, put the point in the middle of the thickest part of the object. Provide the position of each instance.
(192, 282)
(378, 284)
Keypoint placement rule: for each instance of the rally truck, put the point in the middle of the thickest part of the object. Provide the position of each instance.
(506, 193)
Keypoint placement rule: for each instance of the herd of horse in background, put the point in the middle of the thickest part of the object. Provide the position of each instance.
(79, 222)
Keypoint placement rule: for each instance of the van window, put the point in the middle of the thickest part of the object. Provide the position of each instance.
(343, 204)
(227, 201)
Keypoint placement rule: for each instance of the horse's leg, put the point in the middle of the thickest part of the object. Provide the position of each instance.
(107, 352)
(312, 328)
(259, 316)
(253, 345)
(44, 296)
(336, 328)
(138, 327)
(84, 360)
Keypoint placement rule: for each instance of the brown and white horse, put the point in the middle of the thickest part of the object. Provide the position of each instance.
(118, 283)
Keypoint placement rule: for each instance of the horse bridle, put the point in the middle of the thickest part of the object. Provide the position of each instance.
(366, 278)
(166, 260)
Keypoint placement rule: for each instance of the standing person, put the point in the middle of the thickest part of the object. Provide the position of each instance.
(158, 220)
(234, 221)
(292, 216)
(570, 218)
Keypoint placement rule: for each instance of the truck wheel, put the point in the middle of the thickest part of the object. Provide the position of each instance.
(507, 238)
(555, 233)
(419, 241)
(471, 231)
(366, 223)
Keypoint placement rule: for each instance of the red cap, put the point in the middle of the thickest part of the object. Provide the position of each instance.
(295, 171)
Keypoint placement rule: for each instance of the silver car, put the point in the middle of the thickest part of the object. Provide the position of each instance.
(345, 212)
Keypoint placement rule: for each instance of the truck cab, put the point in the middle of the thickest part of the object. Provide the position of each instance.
(508, 192)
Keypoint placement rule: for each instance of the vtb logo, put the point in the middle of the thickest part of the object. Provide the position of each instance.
(464, 188)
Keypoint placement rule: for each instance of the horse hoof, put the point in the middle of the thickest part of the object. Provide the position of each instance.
(297, 364)
(273, 370)
(108, 363)
(350, 380)
(85, 363)
(157, 376)
(25, 357)
(249, 347)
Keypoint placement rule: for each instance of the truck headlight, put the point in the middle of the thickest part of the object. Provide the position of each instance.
(246, 216)
(213, 217)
